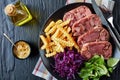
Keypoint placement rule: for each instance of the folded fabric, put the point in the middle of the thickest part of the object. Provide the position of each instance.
(109, 4)
(40, 69)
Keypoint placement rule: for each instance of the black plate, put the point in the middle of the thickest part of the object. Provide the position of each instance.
(48, 62)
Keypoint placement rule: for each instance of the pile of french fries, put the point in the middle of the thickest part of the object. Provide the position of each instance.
(57, 37)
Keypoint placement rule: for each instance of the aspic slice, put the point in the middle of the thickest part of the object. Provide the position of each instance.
(85, 24)
(103, 48)
(94, 35)
(76, 14)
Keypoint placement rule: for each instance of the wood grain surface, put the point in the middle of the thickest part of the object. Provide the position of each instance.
(15, 69)
(10, 67)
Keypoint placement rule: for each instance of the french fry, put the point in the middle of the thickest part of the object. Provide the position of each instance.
(53, 29)
(51, 43)
(67, 43)
(47, 50)
(50, 54)
(54, 48)
(52, 23)
(58, 49)
(64, 23)
(44, 40)
(43, 47)
(58, 44)
(68, 30)
(65, 27)
(58, 22)
(48, 38)
(58, 37)
(56, 33)
(60, 33)
(69, 37)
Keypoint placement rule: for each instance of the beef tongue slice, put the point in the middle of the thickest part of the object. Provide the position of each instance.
(103, 48)
(85, 24)
(76, 14)
(93, 35)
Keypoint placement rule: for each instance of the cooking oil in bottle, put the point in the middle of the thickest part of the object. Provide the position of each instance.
(18, 13)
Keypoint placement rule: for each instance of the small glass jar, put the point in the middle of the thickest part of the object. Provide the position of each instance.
(18, 13)
(21, 49)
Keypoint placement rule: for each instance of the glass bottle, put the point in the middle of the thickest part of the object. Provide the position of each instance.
(18, 13)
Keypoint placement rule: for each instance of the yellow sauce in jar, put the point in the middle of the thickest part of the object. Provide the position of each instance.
(21, 50)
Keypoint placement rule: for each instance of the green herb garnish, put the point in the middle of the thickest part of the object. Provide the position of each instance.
(96, 67)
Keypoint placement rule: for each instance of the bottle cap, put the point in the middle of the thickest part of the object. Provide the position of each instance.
(10, 10)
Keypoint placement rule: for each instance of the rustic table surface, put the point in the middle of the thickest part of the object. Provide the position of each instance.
(15, 69)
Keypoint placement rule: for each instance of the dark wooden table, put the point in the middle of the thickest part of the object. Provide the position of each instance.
(15, 69)
(10, 67)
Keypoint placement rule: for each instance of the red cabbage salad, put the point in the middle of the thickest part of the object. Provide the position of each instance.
(68, 62)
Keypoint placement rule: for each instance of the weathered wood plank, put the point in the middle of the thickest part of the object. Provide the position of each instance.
(14, 69)
(10, 67)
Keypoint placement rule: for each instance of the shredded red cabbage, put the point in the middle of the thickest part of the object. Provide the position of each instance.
(68, 62)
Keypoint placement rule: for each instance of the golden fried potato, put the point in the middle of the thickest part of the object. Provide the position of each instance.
(53, 28)
(50, 54)
(58, 37)
(69, 37)
(52, 23)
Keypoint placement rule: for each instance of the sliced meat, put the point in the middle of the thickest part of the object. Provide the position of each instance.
(70, 16)
(95, 34)
(76, 14)
(103, 48)
(85, 24)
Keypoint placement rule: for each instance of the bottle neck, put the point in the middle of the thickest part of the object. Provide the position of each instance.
(10, 10)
